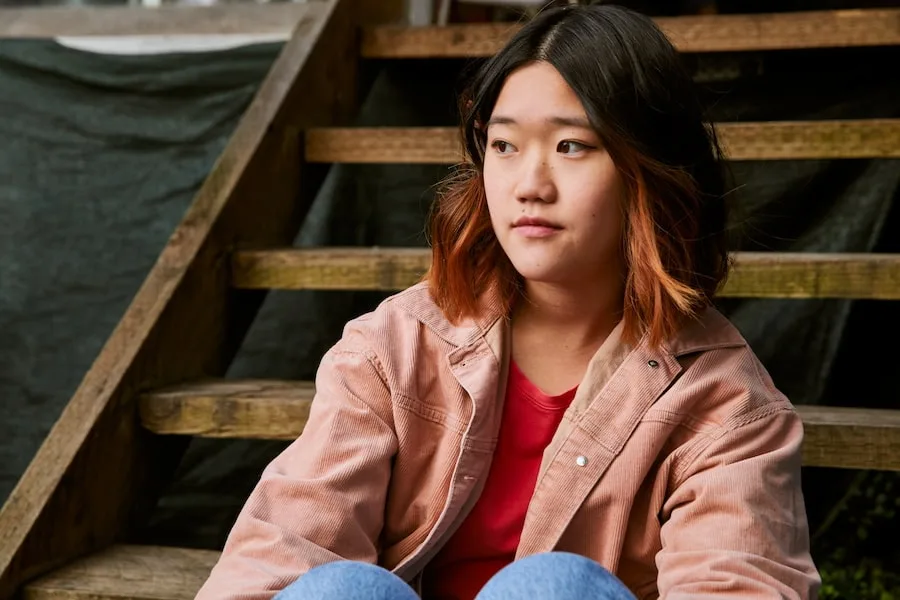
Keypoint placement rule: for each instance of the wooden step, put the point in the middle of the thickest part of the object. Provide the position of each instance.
(249, 409)
(709, 33)
(851, 438)
(756, 274)
(861, 138)
(128, 573)
(835, 437)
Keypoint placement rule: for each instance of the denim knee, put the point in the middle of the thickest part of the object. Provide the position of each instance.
(554, 576)
(348, 580)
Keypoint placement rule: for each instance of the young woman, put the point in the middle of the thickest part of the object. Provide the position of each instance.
(557, 411)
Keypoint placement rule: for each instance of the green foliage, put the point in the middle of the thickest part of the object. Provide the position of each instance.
(855, 547)
(869, 580)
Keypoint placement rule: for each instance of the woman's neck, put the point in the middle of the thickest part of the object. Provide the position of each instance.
(557, 330)
(581, 315)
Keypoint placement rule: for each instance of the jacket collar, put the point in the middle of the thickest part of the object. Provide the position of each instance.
(418, 302)
(709, 329)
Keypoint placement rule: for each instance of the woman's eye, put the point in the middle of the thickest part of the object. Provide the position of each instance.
(571, 147)
(502, 147)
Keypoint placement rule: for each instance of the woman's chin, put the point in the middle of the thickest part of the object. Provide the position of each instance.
(540, 273)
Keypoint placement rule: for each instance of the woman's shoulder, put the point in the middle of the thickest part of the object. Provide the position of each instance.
(726, 409)
(723, 382)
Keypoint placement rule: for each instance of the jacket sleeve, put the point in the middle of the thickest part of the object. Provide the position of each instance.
(735, 525)
(323, 498)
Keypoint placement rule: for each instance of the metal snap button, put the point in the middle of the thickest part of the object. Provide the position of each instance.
(653, 363)
(581, 461)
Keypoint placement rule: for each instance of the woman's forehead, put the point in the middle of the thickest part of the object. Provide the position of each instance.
(538, 93)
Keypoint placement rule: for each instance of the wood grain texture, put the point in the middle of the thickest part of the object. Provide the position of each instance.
(863, 138)
(373, 145)
(97, 474)
(247, 409)
(809, 275)
(708, 33)
(330, 268)
(128, 573)
(243, 18)
(756, 275)
(854, 438)
(851, 438)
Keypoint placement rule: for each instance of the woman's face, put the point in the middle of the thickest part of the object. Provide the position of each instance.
(555, 197)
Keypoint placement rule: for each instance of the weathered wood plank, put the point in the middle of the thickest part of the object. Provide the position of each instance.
(216, 19)
(373, 145)
(97, 474)
(128, 573)
(329, 268)
(757, 275)
(792, 140)
(812, 275)
(863, 138)
(706, 33)
(246, 409)
(851, 438)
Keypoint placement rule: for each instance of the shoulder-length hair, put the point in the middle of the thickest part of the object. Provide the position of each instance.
(643, 104)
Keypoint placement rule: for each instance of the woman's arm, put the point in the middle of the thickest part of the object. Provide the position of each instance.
(735, 524)
(323, 498)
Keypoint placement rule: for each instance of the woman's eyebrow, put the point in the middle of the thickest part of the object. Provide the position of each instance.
(500, 120)
(580, 122)
(571, 122)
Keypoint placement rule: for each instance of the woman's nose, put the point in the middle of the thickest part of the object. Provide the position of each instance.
(535, 181)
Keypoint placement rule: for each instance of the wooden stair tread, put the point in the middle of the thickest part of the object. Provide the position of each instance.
(756, 274)
(773, 140)
(705, 33)
(835, 436)
(266, 409)
(851, 438)
(128, 573)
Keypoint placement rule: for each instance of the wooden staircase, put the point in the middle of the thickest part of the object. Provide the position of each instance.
(65, 529)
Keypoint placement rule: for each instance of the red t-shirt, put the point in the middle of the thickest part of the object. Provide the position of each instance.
(487, 540)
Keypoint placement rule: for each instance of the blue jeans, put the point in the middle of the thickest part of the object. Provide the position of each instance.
(551, 576)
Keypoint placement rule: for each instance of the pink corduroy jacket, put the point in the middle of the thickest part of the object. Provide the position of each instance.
(678, 468)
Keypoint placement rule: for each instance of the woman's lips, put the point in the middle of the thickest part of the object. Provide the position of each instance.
(534, 227)
(536, 231)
